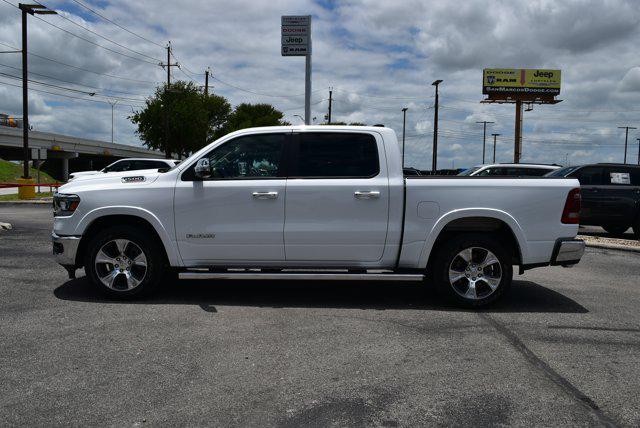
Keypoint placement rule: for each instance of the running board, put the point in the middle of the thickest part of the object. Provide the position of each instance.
(318, 276)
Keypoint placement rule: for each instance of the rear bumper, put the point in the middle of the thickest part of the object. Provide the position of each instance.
(65, 249)
(567, 252)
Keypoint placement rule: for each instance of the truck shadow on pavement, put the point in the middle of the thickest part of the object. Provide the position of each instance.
(524, 296)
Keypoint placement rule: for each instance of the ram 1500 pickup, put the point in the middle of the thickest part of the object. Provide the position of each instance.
(310, 203)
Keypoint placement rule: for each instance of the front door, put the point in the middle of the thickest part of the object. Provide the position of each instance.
(337, 207)
(237, 215)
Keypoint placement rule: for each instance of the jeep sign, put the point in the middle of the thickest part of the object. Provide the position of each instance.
(520, 81)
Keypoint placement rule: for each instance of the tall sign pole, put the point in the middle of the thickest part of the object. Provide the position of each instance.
(296, 41)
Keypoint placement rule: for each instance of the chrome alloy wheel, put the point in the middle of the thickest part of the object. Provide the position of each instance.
(475, 273)
(121, 265)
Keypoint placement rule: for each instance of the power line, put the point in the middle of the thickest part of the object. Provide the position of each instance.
(69, 89)
(83, 69)
(115, 23)
(73, 83)
(101, 36)
(70, 96)
(85, 39)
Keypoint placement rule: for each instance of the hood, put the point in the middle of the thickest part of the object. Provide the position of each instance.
(122, 179)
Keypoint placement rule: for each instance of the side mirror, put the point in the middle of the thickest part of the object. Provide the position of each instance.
(202, 169)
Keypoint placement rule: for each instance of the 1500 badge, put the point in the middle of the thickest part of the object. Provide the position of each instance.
(135, 179)
(201, 235)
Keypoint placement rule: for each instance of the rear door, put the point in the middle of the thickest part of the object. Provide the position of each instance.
(337, 206)
(591, 181)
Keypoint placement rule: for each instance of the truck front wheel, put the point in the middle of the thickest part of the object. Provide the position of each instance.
(123, 262)
(474, 270)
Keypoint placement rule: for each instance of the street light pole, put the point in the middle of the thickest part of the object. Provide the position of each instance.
(113, 103)
(434, 162)
(32, 9)
(404, 125)
(484, 136)
(494, 147)
(626, 138)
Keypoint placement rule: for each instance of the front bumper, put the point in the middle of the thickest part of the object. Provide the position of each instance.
(65, 249)
(567, 252)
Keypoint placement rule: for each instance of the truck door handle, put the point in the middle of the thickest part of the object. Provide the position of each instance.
(265, 195)
(372, 194)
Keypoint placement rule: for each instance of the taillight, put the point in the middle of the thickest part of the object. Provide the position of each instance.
(571, 212)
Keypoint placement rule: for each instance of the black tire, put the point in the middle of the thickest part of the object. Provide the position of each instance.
(636, 229)
(615, 231)
(447, 256)
(146, 278)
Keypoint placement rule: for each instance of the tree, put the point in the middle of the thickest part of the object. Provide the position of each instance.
(249, 115)
(179, 119)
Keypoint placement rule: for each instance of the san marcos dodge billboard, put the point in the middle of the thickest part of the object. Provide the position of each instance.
(520, 81)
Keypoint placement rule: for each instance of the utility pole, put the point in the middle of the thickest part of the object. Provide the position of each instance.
(167, 153)
(404, 126)
(206, 82)
(494, 147)
(484, 136)
(330, 102)
(638, 150)
(626, 137)
(113, 103)
(434, 162)
(31, 9)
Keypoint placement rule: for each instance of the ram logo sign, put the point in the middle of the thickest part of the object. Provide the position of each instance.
(520, 81)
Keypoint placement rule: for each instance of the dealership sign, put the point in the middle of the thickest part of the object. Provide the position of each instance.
(296, 35)
(520, 81)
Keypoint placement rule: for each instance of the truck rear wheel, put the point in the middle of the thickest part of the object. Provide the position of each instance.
(615, 231)
(123, 262)
(473, 270)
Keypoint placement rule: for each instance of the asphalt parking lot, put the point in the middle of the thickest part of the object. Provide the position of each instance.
(562, 348)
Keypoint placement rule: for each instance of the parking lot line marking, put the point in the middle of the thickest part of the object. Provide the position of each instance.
(580, 397)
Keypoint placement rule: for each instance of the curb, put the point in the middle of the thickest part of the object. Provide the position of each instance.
(614, 247)
(35, 202)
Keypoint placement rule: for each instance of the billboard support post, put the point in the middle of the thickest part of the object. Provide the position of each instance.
(518, 133)
(518, 86)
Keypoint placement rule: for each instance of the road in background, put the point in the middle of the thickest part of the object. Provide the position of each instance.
(562, 348)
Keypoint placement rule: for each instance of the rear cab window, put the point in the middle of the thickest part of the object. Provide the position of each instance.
(617, 176)
(335, 155)
(589, 176)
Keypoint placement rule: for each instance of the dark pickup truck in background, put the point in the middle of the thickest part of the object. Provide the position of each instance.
(610, 195)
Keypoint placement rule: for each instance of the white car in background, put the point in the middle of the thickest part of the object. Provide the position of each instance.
(509, 170)
(130, 164)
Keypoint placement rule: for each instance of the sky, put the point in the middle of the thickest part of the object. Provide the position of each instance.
(378, 56)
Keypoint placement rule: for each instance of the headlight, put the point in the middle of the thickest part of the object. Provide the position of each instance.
(65, 205)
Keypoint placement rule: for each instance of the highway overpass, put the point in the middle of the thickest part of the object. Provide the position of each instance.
(68, 154)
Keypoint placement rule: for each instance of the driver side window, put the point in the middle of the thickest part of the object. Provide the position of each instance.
(248, 157)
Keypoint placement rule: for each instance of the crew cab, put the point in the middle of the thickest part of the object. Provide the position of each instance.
(313, 203)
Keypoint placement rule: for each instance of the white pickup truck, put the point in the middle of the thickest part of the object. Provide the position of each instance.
(313, 203)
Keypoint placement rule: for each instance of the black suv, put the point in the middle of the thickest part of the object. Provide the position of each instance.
(610, 195)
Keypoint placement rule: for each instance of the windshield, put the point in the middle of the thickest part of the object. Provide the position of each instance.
(470, 170)
(562, 172)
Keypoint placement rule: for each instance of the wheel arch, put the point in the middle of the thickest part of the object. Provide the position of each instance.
(473, 221)
(98, 220)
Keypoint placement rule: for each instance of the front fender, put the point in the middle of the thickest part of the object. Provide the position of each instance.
(163, 233)
(447, 218)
